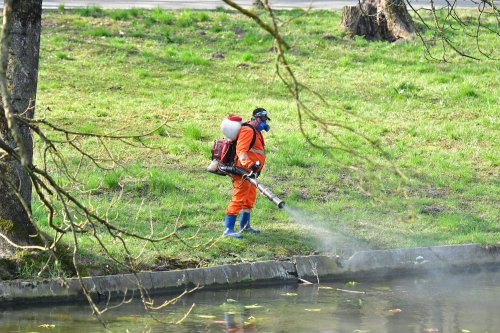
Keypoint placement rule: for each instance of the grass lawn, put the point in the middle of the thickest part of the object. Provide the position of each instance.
(131, 70)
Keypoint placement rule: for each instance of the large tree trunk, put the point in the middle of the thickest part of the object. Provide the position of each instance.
(22, 75)
(379, 19)
(258, 4)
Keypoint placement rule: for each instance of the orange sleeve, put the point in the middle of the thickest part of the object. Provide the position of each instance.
(244, 140)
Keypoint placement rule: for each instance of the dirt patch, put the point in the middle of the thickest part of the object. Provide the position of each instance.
(432, 209)
(273, 49)
(168, 264)
(329, 37)
(243, 65)
(7, 269)
(493, 248)
(238, 31)
(429, 191)
(434, 192)
(218, 55)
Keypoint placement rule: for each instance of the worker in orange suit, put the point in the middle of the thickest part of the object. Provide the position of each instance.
(251, 155)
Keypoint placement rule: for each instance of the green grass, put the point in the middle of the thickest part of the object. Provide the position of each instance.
(105, 70)
(99, 32)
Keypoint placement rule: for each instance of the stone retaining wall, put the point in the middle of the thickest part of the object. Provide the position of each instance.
(362, 265)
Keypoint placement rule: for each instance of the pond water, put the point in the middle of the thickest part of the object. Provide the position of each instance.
(446, 303)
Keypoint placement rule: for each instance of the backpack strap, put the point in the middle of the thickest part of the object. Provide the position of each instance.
(251, 143)
(254, 134)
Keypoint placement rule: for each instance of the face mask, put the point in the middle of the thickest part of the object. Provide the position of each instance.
(263, 126)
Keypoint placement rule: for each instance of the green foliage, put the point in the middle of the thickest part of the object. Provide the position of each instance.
(135, 12)
(35, 265)
(88, 127)
(193, 132)
(62, 55)
(90, 11)
(468, 92)
(112, 178)
(160, 183)
(158, 15)
(137, 34)
(121, 14)
(202, 17)
(406, 89)
(186, 19)
(191, 58)
(161, 131)
(99, 32)
(247, 56)
(94, 181)
(253, 38)
(143, 74)
(6, 225)
(78, 23)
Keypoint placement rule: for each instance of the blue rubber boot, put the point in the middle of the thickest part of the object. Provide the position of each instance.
(245, 223)
(229, 227)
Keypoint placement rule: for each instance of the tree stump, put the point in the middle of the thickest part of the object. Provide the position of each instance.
(379, 19)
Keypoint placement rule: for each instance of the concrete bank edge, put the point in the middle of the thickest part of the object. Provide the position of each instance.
(362, 265)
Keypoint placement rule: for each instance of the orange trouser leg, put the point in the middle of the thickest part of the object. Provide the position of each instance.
(244, 194)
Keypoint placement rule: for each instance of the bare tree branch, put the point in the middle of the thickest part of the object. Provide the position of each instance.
(261, 23)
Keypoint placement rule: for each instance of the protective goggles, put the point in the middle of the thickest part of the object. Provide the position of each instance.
(262, 115)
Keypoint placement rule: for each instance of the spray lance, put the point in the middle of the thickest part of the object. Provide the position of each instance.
(251, 177)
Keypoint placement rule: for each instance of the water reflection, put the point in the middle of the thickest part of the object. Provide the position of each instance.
(431, 304)
(241, 321)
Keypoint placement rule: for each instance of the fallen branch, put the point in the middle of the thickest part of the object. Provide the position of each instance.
(304, 281)
(351, 291)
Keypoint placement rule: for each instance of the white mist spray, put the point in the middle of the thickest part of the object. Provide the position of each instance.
(329, 235)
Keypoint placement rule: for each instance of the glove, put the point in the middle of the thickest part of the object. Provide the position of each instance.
(255, 166)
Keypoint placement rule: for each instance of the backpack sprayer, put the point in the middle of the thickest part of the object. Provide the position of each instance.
(223, 154)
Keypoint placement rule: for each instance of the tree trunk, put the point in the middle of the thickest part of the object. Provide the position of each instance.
(258, 4)
(379, 19)
(22, 76)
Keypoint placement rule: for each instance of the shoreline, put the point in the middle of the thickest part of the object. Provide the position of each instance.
(363, 265)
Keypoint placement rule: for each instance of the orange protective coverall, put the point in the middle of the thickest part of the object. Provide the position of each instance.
(244, 193)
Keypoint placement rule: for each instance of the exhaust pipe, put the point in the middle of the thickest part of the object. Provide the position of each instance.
(264, 190)
(267, 192)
